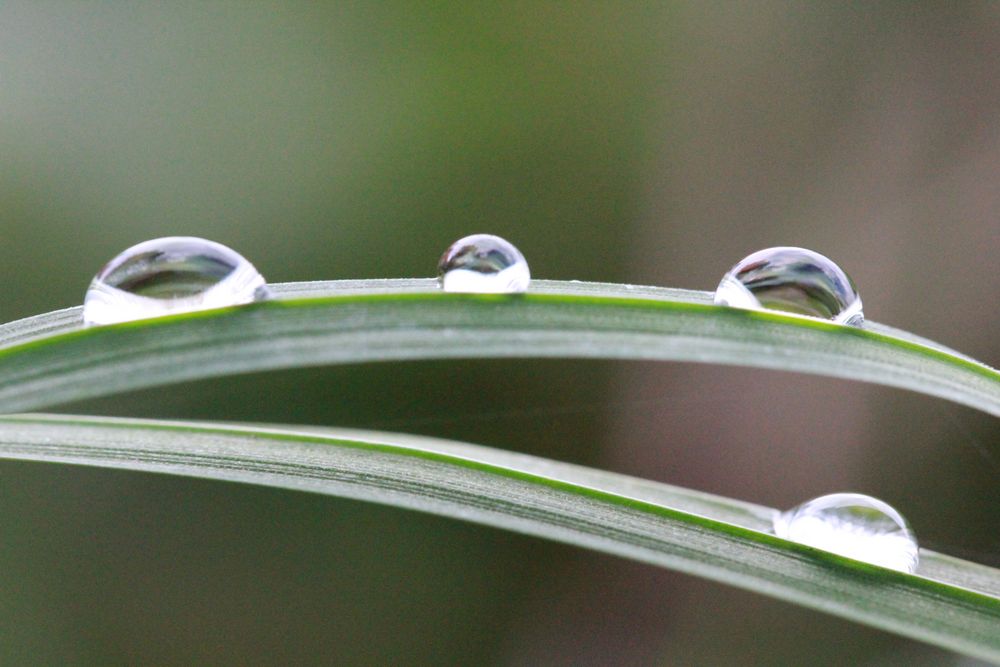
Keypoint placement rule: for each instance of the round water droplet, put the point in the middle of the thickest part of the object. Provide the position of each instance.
(177, 274)
(852, 525)
(792, 280)
(483, 263)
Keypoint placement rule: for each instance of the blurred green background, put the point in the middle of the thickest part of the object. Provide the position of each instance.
(653, 143)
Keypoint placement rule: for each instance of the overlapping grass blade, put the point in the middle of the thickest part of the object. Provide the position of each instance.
(50, 359)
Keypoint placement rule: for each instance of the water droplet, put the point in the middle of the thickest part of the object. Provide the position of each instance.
(483, 263)
(792, 280)
(176, 274)
(852, 525)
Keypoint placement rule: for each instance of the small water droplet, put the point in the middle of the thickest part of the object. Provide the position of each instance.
(852, 525)
(792, 280)
(483, 263)
(176, 274)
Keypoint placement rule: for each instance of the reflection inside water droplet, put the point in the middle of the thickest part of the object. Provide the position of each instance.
(170, 275)
(792, 280)
(852, 525)
(483, 263)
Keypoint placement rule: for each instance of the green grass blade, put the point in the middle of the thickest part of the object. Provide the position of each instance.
(950, 603)
(49, 359)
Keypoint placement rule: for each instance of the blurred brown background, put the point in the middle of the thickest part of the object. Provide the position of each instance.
(646, 143)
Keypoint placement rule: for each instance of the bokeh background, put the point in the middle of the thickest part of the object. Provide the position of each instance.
(652, 143)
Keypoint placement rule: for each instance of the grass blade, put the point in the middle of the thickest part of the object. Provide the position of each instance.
(950, 603)
(49, 359)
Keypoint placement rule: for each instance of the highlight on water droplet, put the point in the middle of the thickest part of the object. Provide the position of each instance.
(852, 525)
(485, 264)
(176, 274)
(792, 280)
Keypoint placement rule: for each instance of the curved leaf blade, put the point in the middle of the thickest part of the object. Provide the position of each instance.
(49, 359)
(708, 536)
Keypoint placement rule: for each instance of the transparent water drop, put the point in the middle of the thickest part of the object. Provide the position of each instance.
(176, 274)
(852, 525)
(792, 280)
(483, 263)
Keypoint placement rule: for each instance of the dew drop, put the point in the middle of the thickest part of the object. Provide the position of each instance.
(177, 274)
(852, 525)
(483, 263)
(792, 280)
